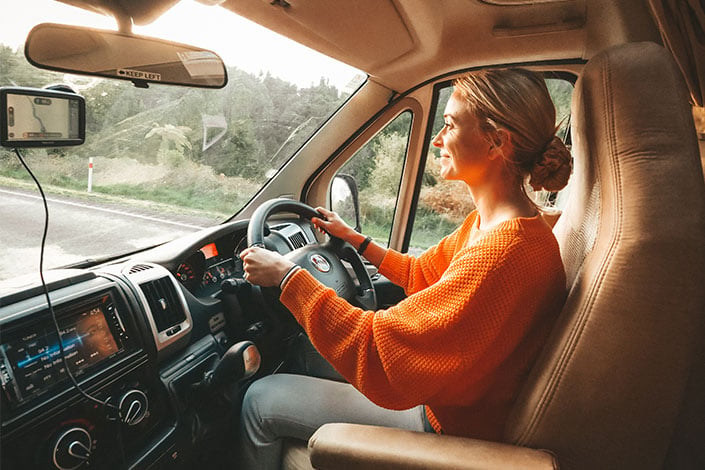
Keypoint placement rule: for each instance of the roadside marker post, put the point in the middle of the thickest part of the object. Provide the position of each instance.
(90, 174)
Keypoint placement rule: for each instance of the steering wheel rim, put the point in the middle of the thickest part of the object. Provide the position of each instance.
(329, 271)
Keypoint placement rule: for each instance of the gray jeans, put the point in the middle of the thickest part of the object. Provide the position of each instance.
(293, 406)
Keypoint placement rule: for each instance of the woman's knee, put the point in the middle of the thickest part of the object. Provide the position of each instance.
(273, 407)
(259, 399)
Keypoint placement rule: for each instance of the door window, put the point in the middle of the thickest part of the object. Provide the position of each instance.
(377, 169)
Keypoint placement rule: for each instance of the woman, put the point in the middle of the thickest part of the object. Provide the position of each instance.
(453, 354)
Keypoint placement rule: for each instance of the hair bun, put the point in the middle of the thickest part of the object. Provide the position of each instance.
(552, 170)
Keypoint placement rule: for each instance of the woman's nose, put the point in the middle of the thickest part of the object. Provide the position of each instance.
(437, 141)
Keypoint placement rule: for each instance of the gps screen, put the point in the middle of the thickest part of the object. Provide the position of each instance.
(41, 118)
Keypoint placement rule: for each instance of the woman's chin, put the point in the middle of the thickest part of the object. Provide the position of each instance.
(446, 169)
(446, 174)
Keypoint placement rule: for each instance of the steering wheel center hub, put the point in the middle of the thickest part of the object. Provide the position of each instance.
(320, 263)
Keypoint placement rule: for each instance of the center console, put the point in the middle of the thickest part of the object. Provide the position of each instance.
(117, 406)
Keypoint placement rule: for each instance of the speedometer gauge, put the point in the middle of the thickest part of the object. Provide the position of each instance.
(190, 272)
(184, 273)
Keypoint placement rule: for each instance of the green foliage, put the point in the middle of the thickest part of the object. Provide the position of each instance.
(173, 144)
(430, 227)
(389, 150)
(16, 71)
(561, 92)
(383, 149)
(377, 169)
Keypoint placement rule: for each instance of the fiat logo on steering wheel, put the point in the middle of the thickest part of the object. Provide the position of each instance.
(320, 263)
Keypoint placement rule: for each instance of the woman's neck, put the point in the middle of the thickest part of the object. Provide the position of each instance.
(499, 203)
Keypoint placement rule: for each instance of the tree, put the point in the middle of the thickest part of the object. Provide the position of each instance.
(389, 157)
(16, 71)
(173, 143)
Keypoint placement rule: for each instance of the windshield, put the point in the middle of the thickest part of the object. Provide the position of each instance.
(164, 161)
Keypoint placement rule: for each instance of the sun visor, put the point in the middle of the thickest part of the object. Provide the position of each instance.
(330, 27)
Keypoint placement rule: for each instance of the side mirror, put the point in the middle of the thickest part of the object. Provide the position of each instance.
(112, 54)
(345, 201)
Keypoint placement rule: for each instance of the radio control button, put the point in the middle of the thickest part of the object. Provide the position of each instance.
(133, 407)
(72, 449)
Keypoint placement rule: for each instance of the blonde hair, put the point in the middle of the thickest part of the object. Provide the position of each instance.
(518, 101)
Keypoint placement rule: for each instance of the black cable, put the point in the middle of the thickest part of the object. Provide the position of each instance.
(46, 290)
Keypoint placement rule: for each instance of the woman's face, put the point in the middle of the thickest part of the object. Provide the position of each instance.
(464, 147)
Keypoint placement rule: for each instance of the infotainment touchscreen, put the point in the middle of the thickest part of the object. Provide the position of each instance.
(31, 361)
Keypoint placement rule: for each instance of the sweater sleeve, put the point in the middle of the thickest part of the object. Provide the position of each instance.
(405, 355)
(415, 274)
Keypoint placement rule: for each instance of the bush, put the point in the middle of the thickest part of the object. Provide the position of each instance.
(451, 199)
(389, 155)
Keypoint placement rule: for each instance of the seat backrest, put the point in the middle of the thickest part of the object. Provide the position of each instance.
(607, 390)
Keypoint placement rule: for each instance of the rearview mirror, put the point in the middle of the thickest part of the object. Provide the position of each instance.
(111, 54)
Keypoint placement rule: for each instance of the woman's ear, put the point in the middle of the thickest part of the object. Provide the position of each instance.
(501, 144)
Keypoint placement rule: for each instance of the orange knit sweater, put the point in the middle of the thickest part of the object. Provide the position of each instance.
(479, 307)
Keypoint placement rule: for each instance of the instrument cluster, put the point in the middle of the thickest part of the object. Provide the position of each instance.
(204, 271)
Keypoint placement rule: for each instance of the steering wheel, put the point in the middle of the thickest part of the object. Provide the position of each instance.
(322, 261)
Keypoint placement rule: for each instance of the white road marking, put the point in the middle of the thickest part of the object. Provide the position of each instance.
(102, 209)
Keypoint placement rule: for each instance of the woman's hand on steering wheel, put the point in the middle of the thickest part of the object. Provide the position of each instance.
(322, 261)
(333, 225)
(263, 267)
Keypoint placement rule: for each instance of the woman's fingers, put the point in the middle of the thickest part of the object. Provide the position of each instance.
(332, 224)
(324, 211)
(263, 267)
(322, 224)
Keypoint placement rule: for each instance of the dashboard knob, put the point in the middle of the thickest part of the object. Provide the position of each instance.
(72, 448)
(133, 407)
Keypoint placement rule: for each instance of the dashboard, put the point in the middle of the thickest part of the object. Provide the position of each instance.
(204, 270)
(136, 335)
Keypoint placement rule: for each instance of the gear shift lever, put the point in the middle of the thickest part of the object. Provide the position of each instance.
(240, 361)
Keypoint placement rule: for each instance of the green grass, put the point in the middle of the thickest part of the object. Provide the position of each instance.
(429, 228)
(191, 198)
(191, 188)
(126, 196)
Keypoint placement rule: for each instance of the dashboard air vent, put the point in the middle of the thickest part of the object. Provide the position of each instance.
(164, 303)
(139, 267)
(297, 240)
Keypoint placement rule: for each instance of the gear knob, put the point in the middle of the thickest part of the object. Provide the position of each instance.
(240, 361)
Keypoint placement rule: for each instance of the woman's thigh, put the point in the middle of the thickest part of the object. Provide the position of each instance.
(284, 405)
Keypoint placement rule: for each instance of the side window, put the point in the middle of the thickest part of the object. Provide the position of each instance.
(377, 168)
(443, 205)
(699, 118)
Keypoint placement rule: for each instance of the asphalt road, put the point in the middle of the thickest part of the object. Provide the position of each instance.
(78, 229)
